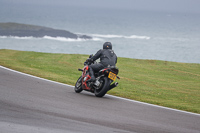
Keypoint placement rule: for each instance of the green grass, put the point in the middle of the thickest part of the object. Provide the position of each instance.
(169, 84)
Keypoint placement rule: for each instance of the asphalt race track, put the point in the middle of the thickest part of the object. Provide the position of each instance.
(34, 105)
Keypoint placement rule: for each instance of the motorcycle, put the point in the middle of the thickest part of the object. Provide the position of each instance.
(103, 81)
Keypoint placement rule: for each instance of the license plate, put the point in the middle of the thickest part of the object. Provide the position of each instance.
(112, 76)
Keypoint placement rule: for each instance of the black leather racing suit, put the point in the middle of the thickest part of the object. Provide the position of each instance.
(107, 58)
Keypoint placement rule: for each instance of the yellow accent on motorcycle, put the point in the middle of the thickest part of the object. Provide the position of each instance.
(112, 76)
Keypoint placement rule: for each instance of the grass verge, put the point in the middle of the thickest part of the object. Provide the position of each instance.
(169, 84)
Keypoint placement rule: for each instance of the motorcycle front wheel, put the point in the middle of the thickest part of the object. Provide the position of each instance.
(78, 86)
(103, 87)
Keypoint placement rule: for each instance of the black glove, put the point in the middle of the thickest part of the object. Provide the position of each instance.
(89, 60)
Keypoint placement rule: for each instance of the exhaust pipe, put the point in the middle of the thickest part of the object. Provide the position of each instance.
(113, 85)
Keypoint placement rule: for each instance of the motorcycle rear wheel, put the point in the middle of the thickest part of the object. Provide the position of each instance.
(78, 86)
(103, 88)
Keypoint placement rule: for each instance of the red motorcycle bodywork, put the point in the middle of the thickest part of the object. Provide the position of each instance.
(85, 77)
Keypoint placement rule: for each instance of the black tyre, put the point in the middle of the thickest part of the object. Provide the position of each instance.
(103, 87)
(78, 85)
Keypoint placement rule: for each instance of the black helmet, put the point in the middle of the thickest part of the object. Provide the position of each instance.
(107, 45)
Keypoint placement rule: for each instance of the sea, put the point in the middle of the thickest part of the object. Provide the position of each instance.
(152, 35)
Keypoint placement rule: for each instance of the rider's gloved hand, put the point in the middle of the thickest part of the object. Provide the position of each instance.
(89, 60)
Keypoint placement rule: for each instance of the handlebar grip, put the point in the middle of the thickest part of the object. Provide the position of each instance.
(80, 69)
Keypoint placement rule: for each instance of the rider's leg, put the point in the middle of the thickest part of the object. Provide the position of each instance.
(91, 72)
(94, 68)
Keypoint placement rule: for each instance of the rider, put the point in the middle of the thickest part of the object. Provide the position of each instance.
(107, 58)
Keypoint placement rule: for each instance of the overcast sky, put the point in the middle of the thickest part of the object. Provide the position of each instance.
(185, 6)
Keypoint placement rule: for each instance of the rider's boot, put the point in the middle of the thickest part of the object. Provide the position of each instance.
(92, 79)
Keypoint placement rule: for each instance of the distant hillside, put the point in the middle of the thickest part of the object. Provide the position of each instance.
(21, 30)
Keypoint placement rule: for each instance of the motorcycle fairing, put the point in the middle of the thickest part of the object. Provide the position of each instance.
(85, 77)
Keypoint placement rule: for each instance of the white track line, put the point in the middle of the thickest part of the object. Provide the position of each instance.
(106, 94)
(34, 76)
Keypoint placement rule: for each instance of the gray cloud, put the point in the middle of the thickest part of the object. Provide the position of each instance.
(150, 5)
